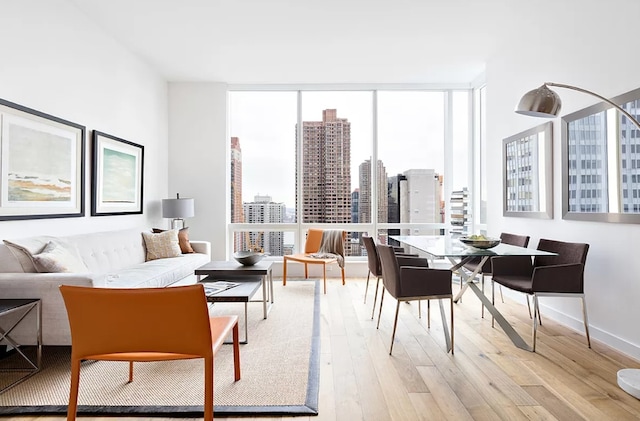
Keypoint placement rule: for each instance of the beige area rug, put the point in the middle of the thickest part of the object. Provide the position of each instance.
(280, 370)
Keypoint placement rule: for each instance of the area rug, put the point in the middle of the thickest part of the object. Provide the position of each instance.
(280, 371)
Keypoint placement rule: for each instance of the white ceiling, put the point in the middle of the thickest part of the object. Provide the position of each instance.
(305, 41)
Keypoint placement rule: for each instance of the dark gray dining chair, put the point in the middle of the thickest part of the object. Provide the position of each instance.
(410, 279)
(547, 276)
(375, 269)
(506, 238)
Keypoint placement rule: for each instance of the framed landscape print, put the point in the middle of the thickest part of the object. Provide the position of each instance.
(41, 165)
(117, 176)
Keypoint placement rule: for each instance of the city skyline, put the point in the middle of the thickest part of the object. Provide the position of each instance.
(410, 134)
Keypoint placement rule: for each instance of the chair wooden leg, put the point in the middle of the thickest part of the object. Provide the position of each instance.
(73, 393)
(343, 281)
(375, 297)
(236, 352)
(586, 320)
(324, 276)
(306, 271)
(284, 272)
(208, 389)
(395, 324)
(366, 287)
(380, 311)
(130, 371)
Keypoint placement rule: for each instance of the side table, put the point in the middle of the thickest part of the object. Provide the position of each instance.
(25, 306)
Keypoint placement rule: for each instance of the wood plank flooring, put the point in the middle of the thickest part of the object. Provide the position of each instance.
(487, 378)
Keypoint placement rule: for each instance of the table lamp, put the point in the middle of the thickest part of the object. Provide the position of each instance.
(543, 102)
(178, 209)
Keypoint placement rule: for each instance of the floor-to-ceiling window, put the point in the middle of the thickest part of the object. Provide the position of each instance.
(376, 161)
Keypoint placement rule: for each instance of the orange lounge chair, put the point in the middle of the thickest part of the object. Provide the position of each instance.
(311, 246)
(145, 324)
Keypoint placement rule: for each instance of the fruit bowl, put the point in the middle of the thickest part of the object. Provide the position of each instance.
(248, 257)
(480, 243)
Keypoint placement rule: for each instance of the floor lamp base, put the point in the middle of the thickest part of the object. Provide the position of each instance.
(629, 381)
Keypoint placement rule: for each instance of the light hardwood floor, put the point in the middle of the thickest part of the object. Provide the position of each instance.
(487, 378)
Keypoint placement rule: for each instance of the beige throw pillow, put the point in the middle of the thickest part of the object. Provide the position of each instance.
(56, 258)
(183, 239)
(162, 245)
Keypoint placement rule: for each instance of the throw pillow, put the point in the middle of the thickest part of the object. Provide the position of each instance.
(162, 245)
(56, 258)
(24, 249)
(183, 239)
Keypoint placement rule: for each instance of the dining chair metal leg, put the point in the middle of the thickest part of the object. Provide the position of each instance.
(395, 325)
(493, 301)
(535, 320)
(419, 309)
(586, 320)
(366, 287)
(428, 314)
(375, 297)
(380, 312)
(451, 302)
(482, 284)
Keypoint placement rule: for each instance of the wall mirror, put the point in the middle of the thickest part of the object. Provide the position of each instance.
(601, 163)
(528, 173)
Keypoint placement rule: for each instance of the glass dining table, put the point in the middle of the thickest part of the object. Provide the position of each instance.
(446, 247)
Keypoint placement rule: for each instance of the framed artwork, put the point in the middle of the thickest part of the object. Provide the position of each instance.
(117, 176)
(41, 165)
(528, 173)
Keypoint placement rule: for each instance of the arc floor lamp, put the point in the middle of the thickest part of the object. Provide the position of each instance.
(543, 102)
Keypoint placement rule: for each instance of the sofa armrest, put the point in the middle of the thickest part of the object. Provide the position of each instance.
(203, 247)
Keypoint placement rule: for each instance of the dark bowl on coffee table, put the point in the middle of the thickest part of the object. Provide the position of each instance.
(247, 257)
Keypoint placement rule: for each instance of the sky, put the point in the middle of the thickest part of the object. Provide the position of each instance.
(410, 134)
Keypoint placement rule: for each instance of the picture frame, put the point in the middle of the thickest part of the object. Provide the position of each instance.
(41, 165)
(528, 173)
(117, 176)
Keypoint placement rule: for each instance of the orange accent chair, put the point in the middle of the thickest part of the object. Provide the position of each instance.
(145, 324)
(311, 245)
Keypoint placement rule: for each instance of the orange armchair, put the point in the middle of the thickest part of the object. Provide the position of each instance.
(311, 246)
(145, 324)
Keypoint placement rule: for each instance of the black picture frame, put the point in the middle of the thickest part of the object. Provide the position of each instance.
(41, 165)
(117, 176)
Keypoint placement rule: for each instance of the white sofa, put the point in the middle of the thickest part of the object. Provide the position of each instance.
(115, 259)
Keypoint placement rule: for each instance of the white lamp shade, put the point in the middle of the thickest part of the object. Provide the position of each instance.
(177, 208)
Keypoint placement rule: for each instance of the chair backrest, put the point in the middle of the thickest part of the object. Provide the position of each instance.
(114, 320)
(390, 269)
(314, 239)
(514, 239)
(567, 253)
(372, 256)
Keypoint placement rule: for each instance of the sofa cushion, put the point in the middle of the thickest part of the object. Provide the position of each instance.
(152, 274)
(183, 239)
(162, 245)
(59, 257)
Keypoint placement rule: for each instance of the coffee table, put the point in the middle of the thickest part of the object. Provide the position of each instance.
(250, 279)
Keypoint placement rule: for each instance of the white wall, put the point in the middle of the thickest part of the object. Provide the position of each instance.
(578, 43)
(199, 147)
(56, 61)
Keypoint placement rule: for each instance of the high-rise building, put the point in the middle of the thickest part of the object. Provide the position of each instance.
(394, 190)
(264, 211)
(365, 207)
(420, 200)
(236, 189)
(326, 169)
(355, 203)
